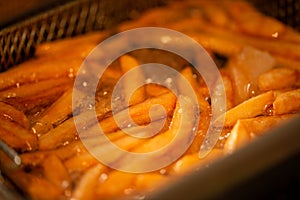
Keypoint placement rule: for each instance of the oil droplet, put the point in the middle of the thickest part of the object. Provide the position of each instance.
(84, 84)
(163, 171)
(148, 80)
(71, 73)
(251, 90)
(275, 35)
(268, 110)
(103, 177)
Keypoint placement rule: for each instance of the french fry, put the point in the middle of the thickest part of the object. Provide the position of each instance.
(250, 108)
(239, 137)
(260, 125)
(176, 126)
(251, 20)
(112, 186)
(137, 112)
(59, 110)
(85, 188)
(154, 90)
(11, 113)
(188, 74)
(228, 90)
(149, 181)
(245, 68)
(188, 162)
(132, 97)
(64, 133)
(80, 163)
(50, 62)
(60, 176)
(34, 97)
(246, 130)
(17, 136)
(287, 62)
(33, 186)
(63, 153)
(287, 102)
(277, 78)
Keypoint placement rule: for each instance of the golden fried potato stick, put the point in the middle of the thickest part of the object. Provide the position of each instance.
(250, 108)
(17, 136)
(64, 133)
(81, 162)
(246, 130)
(165, 138)
(287, 102)
(148, 182)
(11, 113)
(32, 98)
(283, 61)
(250, 22)
(154, 90)
(137, 112)
(239, 136)
(260, 125)
(85, 188)
(33, 186)
(228, 86)
(59, 111)
(63, 153)
(234, 39)
(188, 162)
(113, 187)
(244, 69)
(56, 173)
(277, 78)
(188, 74)
(130, 82)
(49, 63)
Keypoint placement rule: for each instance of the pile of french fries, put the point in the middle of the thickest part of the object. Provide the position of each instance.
(259, 61)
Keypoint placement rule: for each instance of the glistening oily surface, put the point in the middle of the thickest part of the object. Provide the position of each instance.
(259, 66)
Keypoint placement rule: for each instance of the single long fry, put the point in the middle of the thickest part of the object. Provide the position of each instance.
(128, 63)
(188, 74)
(190, 161)
(66, 132)
(11, 113)
(149, 181)
(60, 176)
(137, 112)
(287, 102)
(277, 78)
(246, 130)
(239, 137)
(112, 186)
(17, 136)
(63, 153)
(59, 110)
(85, 188)
(154, 90)
(260, 125)
(250, 108)
(81, 162)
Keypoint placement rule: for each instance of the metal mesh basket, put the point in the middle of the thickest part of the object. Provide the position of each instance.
(17, 42)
